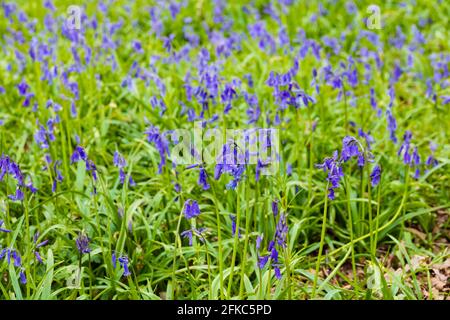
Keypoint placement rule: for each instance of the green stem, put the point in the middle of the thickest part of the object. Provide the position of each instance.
(219, 239)
(236, 239)
(322, 240)
(247, 227)
(350, 222)
(390, 222)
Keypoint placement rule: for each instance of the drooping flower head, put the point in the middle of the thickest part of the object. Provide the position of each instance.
(191, 209)
(375, 176)
(82, 243)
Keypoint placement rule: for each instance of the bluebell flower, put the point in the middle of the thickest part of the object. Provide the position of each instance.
(276, 268)
(161, 144)
(404, 148)
(191, 232)
(114, 260)
(23, 278)
(82, 243)
(23, 88)
(431, 160)
(121, 163)
(18, 196)
(2, 229)
(202, 179)
(233, 226)
(37, 246)
(262, 261)
(78, 154)
(259, 239)
(275, 207)
(392, 125)
(281, 231)
(350, 148)
(191, 209)
(375, 176)
(335, 173)
(123, 260)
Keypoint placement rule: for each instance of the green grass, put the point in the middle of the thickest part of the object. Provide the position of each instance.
(382, 242)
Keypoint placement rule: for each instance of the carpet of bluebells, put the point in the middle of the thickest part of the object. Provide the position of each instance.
(93, 205)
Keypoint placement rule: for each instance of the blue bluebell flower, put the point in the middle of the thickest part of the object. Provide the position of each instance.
(233, 226)
(191, 232)
(82, 243)
(191, 209)
(275, 207)
(123, 260)
(202, 179)
(375, 176)
(161, 144)
(2, 229)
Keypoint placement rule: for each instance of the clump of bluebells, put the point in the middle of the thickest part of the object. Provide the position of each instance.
(411, 159)
(12, 255)
(192, 210)
(161, 144)
(9, 167)
(351, 148)
(279, 243)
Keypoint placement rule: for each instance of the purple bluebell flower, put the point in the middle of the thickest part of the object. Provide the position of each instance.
(262, 261)
(137, 46)
(191, 232)
(281, 231)
(350, 148)
(191, 209)
(114, 259)
(23, 88)
(82, 243)
(37, 246)
(121, 163)
(2, 229)
(258, 241)
(202, 179)
(161, 144)
(416, 157)
(275, 207)
(335, 173)
(22, 276)
(18, 196)
(445, 100)
(124, 262)
(392, 125)
(188, 234)
(404, 148)
(78, 154)
(233, 226)
(369, 139)
(375, 176)
(431, 160)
